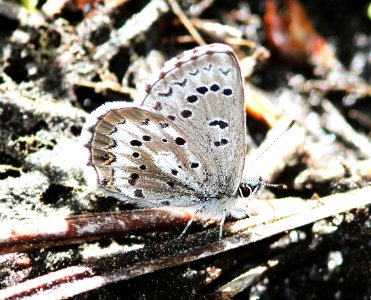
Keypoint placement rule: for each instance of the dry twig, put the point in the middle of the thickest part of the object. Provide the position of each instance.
(75, 280)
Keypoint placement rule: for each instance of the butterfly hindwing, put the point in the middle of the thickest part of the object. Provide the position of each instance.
(143, 157)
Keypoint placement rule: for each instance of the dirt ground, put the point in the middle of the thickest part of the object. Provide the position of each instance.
(307, 61)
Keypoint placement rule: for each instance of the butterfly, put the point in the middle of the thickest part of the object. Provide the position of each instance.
(183, 145)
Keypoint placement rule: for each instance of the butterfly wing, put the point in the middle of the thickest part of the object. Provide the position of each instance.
(202, 91)
(140, 156)
(185, 142)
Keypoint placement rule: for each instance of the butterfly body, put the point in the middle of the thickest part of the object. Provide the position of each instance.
(184, 144)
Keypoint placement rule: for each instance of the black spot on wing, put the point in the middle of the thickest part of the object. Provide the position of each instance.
(138, 193)
(186, 113)
(227, 92)
(136, 143)
(194, 165)
(214, 87)
(167, 93)
(222, 124)
(180, 141)
(181, 83)
(222, 142)
(192, 98)
(171, 183)
(105, 181)
(202, 90)
(225, 72)
(133, 178)
(164, 124)
(145, 122)
(208, 68)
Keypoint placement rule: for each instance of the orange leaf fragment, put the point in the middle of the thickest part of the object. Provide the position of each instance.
(292, 36)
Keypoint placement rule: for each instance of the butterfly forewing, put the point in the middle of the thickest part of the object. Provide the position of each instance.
(202, 92)
(184, 143)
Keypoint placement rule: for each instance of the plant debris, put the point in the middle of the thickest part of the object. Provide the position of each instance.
(302, 61)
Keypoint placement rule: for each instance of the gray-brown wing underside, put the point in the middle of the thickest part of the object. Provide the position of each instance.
(186, 141)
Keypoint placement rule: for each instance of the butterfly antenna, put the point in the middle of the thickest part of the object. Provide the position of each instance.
(271, 144)
(276, 185)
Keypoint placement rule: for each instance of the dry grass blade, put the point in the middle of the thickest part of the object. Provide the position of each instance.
(186, 22)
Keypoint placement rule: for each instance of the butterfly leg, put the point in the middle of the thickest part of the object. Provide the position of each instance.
(190, 221)
(222, 220)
